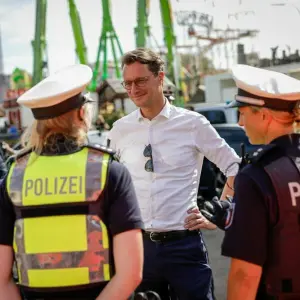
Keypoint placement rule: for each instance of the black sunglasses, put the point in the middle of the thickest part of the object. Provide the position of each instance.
(149, 163)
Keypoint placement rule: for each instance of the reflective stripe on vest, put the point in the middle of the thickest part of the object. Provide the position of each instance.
(67, 250)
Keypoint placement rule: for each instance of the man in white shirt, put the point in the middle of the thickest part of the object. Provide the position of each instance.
(163, 147)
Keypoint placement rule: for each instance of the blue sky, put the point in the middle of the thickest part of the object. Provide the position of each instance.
(278, 25)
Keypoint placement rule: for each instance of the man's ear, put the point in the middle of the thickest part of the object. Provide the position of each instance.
(266, 115)
(161, 76)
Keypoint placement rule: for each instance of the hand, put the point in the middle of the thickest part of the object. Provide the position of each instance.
(6, 147)
(196, 220)
(219, 212)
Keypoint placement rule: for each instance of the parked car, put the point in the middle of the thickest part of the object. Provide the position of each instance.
(98, 137)
(217, 113)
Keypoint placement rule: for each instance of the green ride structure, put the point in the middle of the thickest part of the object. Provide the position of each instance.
(108, 41)
(143, 33)
(108, 34)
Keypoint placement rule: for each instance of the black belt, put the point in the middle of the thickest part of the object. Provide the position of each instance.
(168, 235)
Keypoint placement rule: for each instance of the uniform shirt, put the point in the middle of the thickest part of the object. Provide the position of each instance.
(256, 207)
(179, 139)
(119, 208)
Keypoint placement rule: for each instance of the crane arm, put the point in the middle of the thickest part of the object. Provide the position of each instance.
(81, 49)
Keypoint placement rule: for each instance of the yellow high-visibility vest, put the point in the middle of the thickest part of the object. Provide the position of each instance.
(59, 238)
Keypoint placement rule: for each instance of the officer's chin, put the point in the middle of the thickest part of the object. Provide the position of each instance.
(253, 141)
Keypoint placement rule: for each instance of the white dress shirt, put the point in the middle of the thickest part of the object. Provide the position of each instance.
(179, 139)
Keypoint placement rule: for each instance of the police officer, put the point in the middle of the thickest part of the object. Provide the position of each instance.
(169, 94)
(263, 223)
(68, 213)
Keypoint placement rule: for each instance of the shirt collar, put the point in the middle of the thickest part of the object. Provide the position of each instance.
(165, 112)
(286, 140)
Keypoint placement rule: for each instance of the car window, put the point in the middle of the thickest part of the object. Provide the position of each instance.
(97, 138)
(214, 116)
(234, 137)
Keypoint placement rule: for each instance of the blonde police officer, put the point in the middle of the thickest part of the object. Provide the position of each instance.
(68, 213)
(263, 223)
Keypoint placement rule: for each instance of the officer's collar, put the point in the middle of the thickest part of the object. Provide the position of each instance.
(60, 144)
(286, 140)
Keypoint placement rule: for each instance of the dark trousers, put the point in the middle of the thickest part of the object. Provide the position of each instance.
(180, 265)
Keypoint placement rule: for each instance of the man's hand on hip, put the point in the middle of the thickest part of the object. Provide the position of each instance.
(196, 220)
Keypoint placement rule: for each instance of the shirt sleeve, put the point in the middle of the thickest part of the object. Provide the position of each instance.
(209, 142)
(246, 239)
(123, 212)
(113, 136)
(7, 216)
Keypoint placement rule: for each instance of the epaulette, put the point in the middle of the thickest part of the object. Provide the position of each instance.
(261, 152)
(16, 156)
(102, 149)
(22, 153)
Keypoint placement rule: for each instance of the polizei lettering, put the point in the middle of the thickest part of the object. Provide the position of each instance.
(54, 186)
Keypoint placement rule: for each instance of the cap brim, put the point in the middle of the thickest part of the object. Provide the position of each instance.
(236, 103)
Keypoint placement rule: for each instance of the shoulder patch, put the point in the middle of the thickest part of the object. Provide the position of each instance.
(16, 156)
(102, 149)
(261, 152)
(22, 153)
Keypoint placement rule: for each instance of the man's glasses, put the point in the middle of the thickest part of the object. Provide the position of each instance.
(149, 163)
(139, 82)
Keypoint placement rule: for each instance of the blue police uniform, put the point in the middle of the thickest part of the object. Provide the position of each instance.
(262, 223)
(256, 211)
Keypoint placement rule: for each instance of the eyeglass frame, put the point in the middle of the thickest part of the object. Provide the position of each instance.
(144, 80)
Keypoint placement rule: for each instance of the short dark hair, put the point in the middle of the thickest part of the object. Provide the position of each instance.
(144, 56)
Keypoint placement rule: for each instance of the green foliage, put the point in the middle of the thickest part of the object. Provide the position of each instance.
(110, 118)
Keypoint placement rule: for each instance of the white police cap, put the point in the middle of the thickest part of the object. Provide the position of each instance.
(264, 88)
(58, 93)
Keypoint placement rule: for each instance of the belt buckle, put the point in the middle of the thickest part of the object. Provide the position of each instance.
(151, 237)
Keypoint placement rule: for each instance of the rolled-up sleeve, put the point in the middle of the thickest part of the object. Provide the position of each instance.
(214, 148)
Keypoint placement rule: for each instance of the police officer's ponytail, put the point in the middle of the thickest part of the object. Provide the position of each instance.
(296, 113)
(69, 124)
